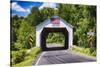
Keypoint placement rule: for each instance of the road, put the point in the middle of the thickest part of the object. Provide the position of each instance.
(54, 45)
(61, 56)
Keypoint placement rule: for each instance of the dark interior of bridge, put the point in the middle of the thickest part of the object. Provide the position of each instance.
(45, 33)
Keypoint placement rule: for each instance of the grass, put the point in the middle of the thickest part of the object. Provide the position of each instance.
(87, 51)
(30, 58)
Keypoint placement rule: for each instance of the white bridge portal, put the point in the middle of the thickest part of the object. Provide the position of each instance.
(54, 24)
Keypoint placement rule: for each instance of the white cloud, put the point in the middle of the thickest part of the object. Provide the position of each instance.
(48, 4)
(13, 14)
(18, 8)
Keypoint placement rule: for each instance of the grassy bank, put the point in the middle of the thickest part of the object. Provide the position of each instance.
(87, 51)
(29, 58)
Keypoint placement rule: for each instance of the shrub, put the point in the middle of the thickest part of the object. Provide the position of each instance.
(17, 46)
(92, 50)
(87, 51)
(93, 53)
(18, 56)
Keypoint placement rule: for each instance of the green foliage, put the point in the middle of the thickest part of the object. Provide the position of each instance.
(33, 16)
(82, 17)
(87, 51)
(29, 58)
(18, 56)
(55, 38)
(22, 35)
(34, 52)
(18, 46)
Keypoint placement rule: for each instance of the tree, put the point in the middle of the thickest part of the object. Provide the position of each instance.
(33, 17)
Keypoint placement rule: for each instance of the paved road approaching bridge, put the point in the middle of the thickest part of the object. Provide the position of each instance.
(61, 56)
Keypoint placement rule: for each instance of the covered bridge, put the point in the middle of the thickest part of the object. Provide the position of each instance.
(54, 24)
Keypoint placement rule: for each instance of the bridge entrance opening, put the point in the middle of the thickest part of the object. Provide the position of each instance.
(55, 39)
(46, 32)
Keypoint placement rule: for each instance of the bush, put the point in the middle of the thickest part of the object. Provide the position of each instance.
(92, 49)
(55, 38)
(29, 58)
(18, 56)
(93, 53)
(86, 51)
(17, 46)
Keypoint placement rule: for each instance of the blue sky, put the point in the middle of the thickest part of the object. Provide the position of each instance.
(23, 8)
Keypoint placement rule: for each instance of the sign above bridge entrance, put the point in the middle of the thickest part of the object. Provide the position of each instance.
(55, 20)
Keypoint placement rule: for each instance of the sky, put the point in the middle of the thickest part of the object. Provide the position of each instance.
(23, 8)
